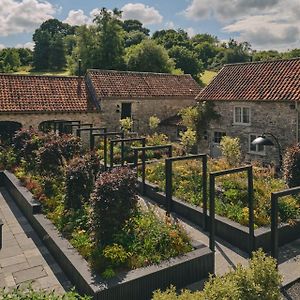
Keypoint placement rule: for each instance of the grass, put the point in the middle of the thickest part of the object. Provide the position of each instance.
(208, 76)
(27, 70)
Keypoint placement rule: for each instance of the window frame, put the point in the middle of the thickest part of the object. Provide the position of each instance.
(256, 152)
(242, 115)
(214, 136)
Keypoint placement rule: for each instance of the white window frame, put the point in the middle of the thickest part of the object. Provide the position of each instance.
(256, 152)
(242, 121)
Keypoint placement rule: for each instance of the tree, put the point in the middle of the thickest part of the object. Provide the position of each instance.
(266, 55)
(186, 60)
(149, 57)
(206, 52)
(237, 52)
(111, 40)
(9, 60)
(170, 38)
(134, 38)
(85, 49)
(49, 50)
(26, 56)
(135, 25)
(204, 38)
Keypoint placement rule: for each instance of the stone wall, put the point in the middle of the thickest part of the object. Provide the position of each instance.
(35, 119)
(278, 118)
(142, 110)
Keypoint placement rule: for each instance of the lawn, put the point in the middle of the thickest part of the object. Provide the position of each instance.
(27, 70)
(208, 76)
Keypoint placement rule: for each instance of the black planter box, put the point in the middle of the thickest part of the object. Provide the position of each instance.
(230, 231)
(132, 285)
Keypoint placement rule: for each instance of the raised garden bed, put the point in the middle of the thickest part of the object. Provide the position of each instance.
(135, 284)
(230, 231)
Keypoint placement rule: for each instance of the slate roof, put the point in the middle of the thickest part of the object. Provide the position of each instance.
(267, 81)
(135, 85)
(28, 93)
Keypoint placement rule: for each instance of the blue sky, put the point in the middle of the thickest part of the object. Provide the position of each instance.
(266, 24)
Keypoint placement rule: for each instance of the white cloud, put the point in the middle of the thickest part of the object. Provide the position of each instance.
(2, 46)
(29, 45)
(170, 25)
(76, 17)
(264, 23)
(190, 31)
(20, 16)
(144, 13)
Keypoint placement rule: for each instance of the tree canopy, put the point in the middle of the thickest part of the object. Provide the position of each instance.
(149, 57)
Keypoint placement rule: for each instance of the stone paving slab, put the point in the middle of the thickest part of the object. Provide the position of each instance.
(24, 259)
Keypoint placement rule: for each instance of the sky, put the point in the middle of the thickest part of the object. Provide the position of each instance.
(266, 24)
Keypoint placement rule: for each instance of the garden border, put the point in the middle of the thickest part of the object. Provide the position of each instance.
(228, 230)
(132, 285)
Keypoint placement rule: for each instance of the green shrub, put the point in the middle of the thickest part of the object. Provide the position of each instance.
(49, 157)
(79, 182)
(30, 294)
(70, 146)
(259, 281)
(113, 202)
(153, 122)
(188, 139)
(149, 239)
(116, 254)
(231, 150)
(8, 158)
(291, 166)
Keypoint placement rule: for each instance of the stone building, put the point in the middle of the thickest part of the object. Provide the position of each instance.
(252, 99)
(101, 98)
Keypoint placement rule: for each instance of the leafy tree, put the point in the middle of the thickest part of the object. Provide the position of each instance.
(206, 52)
(170, 38)
(26, 56)
(237, 52)
(49, 50)
(135, 25)
(111, 40)
(57, 55)
(186, 60)
(134, 38)
(9, 60)
(85, 49)
(266, 55)
(204, 38)
(149, 57)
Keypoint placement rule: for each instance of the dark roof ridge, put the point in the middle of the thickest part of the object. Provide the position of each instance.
(136, 72)
(261, 61)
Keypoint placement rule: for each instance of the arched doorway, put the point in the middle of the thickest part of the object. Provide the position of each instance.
(59, 126)
(8, 130)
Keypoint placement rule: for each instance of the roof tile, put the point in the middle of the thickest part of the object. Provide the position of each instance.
(27, 93)
(122, 84)
(268, 81)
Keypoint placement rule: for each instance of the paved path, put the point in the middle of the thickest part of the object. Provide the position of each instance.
(23, 257)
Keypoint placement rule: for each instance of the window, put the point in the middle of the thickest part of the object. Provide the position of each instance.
(242, 115)
(257, 149)
(126, 110)
(218, 136)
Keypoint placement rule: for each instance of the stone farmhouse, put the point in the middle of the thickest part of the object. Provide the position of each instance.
(100, 97)
(255, 98)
